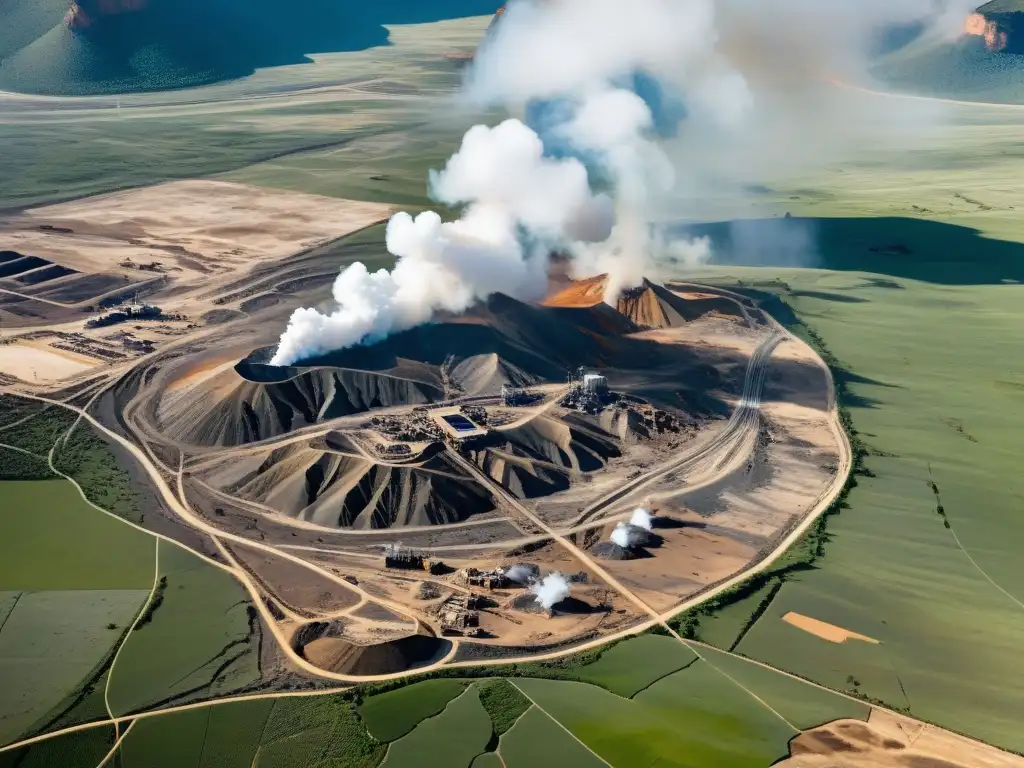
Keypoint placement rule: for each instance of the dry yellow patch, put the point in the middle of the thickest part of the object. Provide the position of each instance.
(824, 630)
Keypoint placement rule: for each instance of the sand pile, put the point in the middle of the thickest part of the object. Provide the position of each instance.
(320, 644)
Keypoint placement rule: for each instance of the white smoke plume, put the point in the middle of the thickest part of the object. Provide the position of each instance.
(627, 535)
(520, 574)
(642, 518)
(550, 590)
(507, 183)
(743, 93)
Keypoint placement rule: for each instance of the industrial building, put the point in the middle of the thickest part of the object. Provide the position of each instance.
(459, 615)
(397, 556)
(588, 391)
(473, 577)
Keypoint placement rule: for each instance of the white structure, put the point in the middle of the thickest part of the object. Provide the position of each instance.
(595, 384)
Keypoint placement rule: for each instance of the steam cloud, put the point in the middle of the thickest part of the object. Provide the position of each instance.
(627, 535)
(519, 574)
(632, 113)
(550, 590)
(642, 518)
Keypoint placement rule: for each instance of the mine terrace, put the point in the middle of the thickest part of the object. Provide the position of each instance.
(517, 481)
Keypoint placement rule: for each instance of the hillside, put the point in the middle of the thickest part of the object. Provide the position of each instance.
(986, 64)
(649, 305)
(334, 489)
(56, 47)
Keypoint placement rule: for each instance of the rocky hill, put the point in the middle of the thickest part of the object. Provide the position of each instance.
(79, 47)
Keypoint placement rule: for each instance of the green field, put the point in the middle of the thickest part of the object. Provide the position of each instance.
(726, 626)
(215, 737)
(288, 732)
(634, 664)
(198, 638)
(333, 142)
(504, 704)
(389, 716)
(694, 717)
(321, 730)
(487, 760)
(450, 739)
(50, 643)
(936, 397)
(537, 740)
(86, 748)
(51, 539)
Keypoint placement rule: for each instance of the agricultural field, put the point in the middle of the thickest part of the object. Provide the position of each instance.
(389, 716)
(724, 627)
(198, 637)
(935, 395)
(83, 748)
(696, 712)
(537, 740)
(453, 737)
(635, 664)
(51, 539)
(504, 704)
(50, 642)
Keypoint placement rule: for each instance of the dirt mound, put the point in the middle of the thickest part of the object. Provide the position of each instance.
(653, 306)
(541, 457)
(609, 550)
(649, 305)
(245, 405)
(486, 374)
(320, 643)
(579, 293)
(347, 491)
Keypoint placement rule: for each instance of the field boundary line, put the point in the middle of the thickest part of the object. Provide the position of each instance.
(980, 569)
(11, 612)
(117, 744)
(169, 711)
(556, 722)
(138, 618)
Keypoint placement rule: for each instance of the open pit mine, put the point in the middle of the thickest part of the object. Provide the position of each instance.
(518, 479)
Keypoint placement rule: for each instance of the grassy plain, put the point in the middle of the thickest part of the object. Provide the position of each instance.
(273, 121)
(537, 740)
(319, 731)
(200, 637)
(692, 717)
(725, 627)
(51, 539)
(635, 664)
(86, 748)
(389, 716)
(935, 394)
(487, 760)
(452, 738)
(216, 737)
(50, 642)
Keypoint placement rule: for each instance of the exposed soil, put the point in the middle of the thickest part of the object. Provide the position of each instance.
(890, 741)
(824, 630)
(298, 588)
